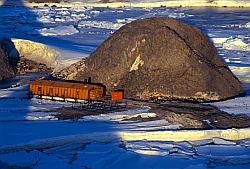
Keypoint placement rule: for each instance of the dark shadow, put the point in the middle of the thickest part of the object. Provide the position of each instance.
(13, 54)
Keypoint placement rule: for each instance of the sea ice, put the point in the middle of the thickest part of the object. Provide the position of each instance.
(235, 44)
(59, 30)
(101, 24)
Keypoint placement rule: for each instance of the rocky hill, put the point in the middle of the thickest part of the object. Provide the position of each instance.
(160, 58)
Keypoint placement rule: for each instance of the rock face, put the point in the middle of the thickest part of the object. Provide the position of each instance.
(22, 56)
(161, 58)
(28, 66)
(6, 71)
(36, 52)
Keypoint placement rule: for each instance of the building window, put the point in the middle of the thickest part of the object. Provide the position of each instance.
(39, 89)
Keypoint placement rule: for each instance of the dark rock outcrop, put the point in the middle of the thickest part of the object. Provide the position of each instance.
(70, 72)
(28, 66)
(198, 116)
(6, 70)
(161, 58)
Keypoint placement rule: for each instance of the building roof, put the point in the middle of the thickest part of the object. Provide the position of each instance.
(66, 84)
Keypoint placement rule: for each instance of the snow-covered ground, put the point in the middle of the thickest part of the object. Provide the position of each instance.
(31, 137)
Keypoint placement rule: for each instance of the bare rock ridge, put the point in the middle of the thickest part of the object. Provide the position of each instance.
(160, 58)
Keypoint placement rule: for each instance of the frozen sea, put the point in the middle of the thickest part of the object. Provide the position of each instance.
(33, 139)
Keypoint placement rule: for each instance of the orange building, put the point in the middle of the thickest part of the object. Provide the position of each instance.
(72, 90)
(117, 95)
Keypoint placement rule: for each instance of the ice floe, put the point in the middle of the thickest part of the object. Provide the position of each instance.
(59, 30)
(101, 24)
(235, 44)
(231, 43)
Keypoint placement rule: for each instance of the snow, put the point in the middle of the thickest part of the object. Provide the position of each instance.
(100, 24)
(59, 30)
(247, 25)
(139, 154)
(235, 44)
(222, 142)
(231, 44)
(138, 62)
(41, 116)
(243, 73)
(36, 51)
(31, 136)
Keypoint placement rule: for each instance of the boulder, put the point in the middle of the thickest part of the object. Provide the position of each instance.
(6, 71)
(161, 58)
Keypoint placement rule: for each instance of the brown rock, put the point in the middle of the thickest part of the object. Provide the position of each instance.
(6, 71)
(70, 72)
(161, 58)
(28, 66)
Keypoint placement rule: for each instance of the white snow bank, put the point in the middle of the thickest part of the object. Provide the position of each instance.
(59, 30)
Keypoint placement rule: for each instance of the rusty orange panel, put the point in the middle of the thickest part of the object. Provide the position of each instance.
(117, 95)
(60, 92)
(72, 93)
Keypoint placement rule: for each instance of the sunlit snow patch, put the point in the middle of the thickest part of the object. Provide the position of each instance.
(59, 30)
(219, 41)
(36, 52)
(235, 44)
